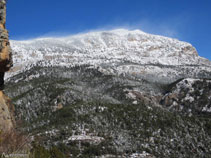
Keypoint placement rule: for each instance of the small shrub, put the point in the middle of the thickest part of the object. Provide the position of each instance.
(56, 153)
(39, 151)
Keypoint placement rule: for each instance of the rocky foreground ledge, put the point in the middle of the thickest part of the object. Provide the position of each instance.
(6, 113)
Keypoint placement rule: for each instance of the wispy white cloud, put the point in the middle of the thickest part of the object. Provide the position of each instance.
(172, 27)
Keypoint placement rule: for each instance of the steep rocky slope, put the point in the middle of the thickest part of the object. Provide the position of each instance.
(115, 92)
(190, 96)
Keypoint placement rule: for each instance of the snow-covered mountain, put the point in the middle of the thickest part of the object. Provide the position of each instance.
(113, 52)
(115, 92)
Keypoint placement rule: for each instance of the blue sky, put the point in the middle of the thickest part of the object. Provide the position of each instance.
(187, 20)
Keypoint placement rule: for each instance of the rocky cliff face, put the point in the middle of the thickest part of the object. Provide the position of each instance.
(5, 49)
(6, 108)
(7, 119)
(189, 96)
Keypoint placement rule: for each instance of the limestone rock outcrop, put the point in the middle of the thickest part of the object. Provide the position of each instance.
(5, 49)
(6, 108)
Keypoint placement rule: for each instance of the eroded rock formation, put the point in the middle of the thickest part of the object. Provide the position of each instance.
(6, 108)
(5, 49)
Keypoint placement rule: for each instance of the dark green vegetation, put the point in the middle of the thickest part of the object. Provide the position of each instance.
(44, 88)
(97, 105)
(39, 151)
(130, 129)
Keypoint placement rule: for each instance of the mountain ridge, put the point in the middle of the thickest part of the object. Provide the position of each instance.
(114, 39)
(113, 52)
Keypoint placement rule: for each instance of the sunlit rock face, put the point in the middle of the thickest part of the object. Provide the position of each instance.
(5, 49)
(6, 108)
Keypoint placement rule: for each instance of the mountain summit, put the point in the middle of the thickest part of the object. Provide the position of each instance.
(118, 51)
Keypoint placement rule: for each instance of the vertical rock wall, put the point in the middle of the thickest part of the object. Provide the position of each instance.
(5, 49)
(6, 108)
